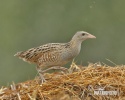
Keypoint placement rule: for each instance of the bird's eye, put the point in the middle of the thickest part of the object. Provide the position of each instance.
(83, 34)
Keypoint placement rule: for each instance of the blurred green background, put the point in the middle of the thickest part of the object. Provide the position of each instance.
(29, 23)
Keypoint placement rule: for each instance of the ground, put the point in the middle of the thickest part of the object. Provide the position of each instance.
(92, 82)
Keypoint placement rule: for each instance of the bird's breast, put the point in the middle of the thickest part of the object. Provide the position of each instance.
(70, 53)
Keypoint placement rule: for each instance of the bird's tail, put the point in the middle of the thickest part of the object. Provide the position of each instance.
(23, 56)
(18, 54)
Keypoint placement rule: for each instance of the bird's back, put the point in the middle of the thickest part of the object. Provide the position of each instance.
(51, 54)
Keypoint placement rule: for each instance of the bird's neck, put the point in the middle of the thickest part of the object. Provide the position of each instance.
(76, 46)
(75, 43)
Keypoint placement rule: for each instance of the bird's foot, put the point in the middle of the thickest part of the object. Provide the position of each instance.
(40, 72)
(42, 79)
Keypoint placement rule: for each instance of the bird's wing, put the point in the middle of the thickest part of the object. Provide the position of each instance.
(44, 52)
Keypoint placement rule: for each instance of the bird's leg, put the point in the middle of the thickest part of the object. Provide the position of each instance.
(55, 67)
(43, 71)
(41, 74)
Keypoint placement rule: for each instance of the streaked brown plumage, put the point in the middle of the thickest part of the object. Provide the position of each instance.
(55, 54)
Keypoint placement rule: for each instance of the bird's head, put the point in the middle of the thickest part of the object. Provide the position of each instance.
(82, 35)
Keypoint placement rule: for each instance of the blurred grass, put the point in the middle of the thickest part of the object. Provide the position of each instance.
(30, 23)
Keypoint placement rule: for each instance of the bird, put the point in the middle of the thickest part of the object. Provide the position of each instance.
(54, 55)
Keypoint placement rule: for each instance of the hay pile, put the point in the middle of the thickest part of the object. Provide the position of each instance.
(94, 82)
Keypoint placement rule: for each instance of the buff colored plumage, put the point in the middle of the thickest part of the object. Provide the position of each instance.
(55, 54)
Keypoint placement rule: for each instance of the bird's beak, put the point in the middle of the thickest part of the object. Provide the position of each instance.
(91, 36)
